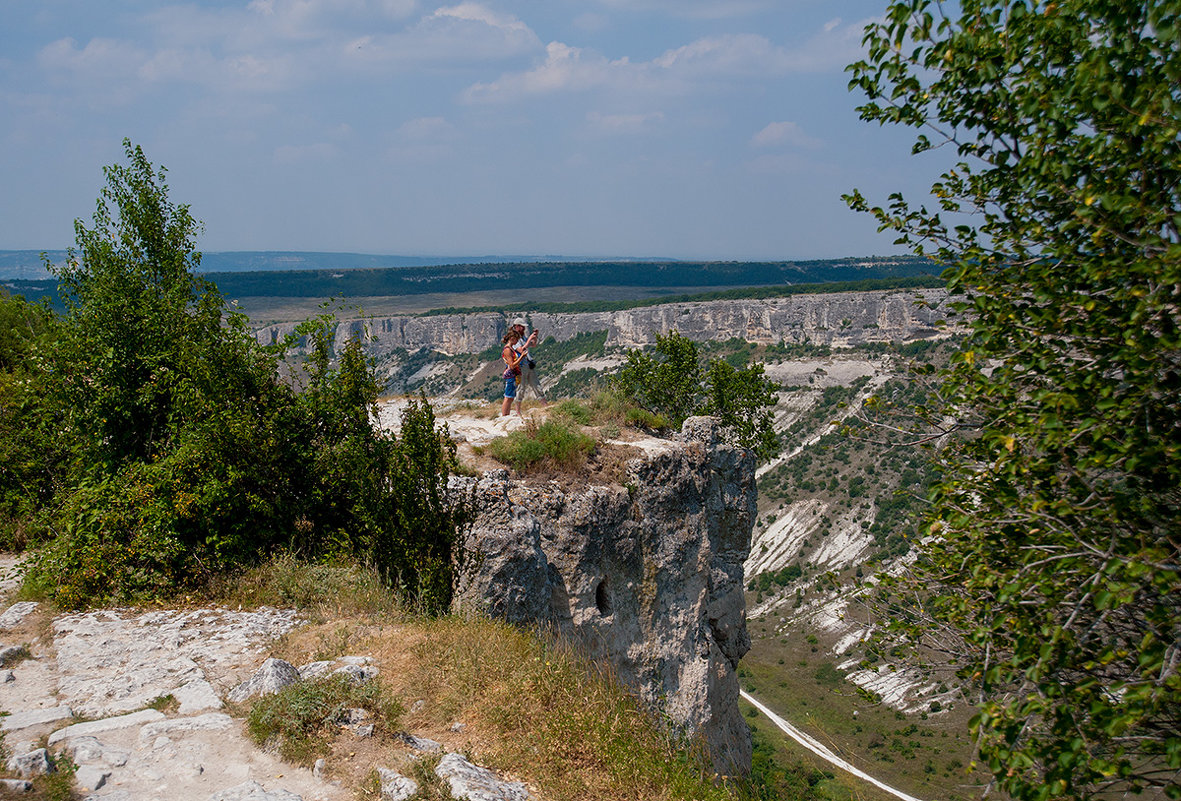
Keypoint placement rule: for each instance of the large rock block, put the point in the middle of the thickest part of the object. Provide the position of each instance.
(646, 576)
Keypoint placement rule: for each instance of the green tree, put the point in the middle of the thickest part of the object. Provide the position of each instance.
(1055, 546)
(671, 382)
(192, 456)
(32, 449)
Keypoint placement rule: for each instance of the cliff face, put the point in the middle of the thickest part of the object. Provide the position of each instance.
(844, 318)
(646, 576)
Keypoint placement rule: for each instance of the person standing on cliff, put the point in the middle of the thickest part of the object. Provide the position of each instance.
(512, 371)
(528, 366)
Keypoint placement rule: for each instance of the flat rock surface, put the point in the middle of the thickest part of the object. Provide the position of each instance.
(107, 666)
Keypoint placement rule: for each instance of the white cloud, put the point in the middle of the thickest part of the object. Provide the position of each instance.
(693, 9)
(783, 133)
(466, 33)
(99, 61)
(708, 59)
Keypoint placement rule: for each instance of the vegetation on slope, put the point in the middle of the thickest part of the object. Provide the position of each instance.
(1055, 546)
(151, 444)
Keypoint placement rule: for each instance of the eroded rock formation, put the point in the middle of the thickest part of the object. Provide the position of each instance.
(839, 319)
(646, 576)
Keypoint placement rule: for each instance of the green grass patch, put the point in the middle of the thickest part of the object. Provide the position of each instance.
(553, 444)
(296, 721)
(572, 410)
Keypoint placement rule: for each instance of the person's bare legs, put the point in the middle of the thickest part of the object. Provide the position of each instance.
(506, 407)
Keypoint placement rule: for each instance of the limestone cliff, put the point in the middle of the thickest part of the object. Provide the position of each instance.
(838, 319)
(646, 577)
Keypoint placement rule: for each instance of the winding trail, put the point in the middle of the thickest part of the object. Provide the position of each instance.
(820, 750)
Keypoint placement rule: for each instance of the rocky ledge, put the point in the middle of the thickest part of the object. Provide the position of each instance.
(645, 576)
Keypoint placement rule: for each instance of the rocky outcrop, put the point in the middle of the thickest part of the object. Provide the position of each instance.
(838, 319)
(646, 576)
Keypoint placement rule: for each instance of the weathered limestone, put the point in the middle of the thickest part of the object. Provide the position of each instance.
(272, 676)
(473, 783)
(647, 576)
(34, 763)
(840, 318)
(395, 786)
(93, 727)
(16, 613)
(253, 791)
(110, 661)
(34, 717)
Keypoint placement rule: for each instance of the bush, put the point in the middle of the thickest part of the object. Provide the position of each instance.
(671, 384)
(188, 456)
(552, 444)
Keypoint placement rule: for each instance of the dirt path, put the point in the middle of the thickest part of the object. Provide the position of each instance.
(819, 749)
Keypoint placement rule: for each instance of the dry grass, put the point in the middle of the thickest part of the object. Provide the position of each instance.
(320, 591)
(534, 710)
(530, 708)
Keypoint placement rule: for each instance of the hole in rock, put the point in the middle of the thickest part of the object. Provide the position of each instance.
(601, 599)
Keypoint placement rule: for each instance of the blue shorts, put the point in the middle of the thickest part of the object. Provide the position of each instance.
(510, 387)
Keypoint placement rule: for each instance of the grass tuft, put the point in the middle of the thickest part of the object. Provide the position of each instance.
(553, 444)
(298, 721)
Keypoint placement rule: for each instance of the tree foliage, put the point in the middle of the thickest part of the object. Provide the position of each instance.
(184, 453)
(670, 382)
(1055, 547)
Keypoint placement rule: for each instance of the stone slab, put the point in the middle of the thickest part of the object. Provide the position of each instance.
(35, 717)
(93, 727)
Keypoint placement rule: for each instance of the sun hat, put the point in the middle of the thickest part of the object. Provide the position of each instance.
(519, 321)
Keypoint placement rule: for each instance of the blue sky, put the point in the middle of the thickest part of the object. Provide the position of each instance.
(713, 129)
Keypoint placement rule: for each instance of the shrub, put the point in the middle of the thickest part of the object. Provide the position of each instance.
(670, 383)
(188, 456)
(553, 443)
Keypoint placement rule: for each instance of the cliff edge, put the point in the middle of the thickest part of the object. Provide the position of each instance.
(646, 576)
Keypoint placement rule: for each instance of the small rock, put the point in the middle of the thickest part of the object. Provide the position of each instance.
(358, 673)
(354, 715)
(362, 730)
(91, 777)
(253, 791)
(116, 759)
(471, 782)
(313, 669)
(16, 613)
(196, 696)
(420, 743)
(319, 767)
(395, 786)
(16, 785)
(7, 676)
(34, 763)
(356, 660)
(213, 721)
(457, 726)
(417, 706)
(83, 750)
(274, 675)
